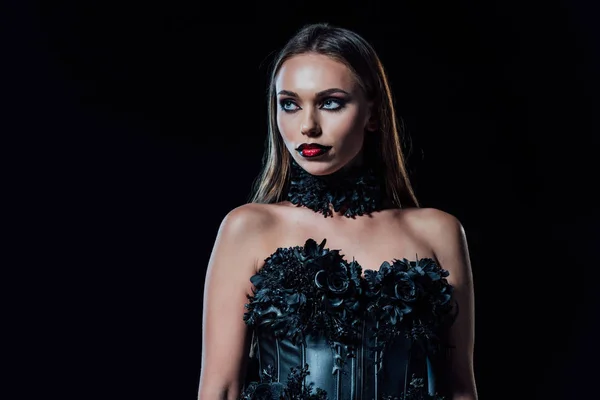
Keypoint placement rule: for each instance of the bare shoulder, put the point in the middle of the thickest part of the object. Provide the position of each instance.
(432, 222)
(248, 218)
(446, 236)
(249, 226)
(442, 231)
(241, 236)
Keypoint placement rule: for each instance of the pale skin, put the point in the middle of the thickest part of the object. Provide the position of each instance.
(321, 102)
(251, 232)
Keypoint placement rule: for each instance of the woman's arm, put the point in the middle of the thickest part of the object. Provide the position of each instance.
(449, 243)
(225, 337)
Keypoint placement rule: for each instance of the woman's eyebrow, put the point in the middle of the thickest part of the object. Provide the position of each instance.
(322, 93)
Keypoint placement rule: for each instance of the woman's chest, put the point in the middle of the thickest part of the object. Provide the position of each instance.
(369, 241)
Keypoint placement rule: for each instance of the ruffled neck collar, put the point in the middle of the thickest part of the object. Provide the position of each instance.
(354, 190)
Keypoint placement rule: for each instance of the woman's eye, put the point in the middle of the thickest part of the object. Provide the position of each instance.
(332, 104)
(288, 105)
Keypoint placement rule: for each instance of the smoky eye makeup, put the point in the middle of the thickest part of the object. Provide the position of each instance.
(328, 104)
(288, 105)
(333, 103)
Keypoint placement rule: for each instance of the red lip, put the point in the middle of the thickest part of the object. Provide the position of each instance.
(305, 146)
(312, 149)
(312, 152)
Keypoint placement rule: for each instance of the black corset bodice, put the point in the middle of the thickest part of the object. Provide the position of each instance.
(322, 330)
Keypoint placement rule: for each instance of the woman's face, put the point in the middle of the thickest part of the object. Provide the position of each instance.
(320, 102)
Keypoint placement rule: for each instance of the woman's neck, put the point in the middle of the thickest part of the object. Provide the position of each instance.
(354, 190)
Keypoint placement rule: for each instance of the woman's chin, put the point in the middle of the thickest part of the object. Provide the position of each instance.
(326, 165)
(321, 167)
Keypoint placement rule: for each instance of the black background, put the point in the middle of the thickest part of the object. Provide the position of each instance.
(140, 125)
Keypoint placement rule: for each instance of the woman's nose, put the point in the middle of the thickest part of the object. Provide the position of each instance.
(310, 126)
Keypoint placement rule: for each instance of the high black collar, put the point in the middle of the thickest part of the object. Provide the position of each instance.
(354, 190)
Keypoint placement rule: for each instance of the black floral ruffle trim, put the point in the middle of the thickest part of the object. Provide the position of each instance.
(355, 190)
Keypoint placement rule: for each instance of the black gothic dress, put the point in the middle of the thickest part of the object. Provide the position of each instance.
(322, 330)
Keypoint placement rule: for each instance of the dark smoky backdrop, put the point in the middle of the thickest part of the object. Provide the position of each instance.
(139, 125)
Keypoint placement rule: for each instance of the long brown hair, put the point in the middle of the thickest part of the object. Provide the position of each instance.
(383, 146)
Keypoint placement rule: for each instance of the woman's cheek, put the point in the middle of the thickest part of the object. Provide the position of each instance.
(284, 126)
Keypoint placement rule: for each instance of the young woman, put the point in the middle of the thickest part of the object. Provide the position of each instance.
(333, 278)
